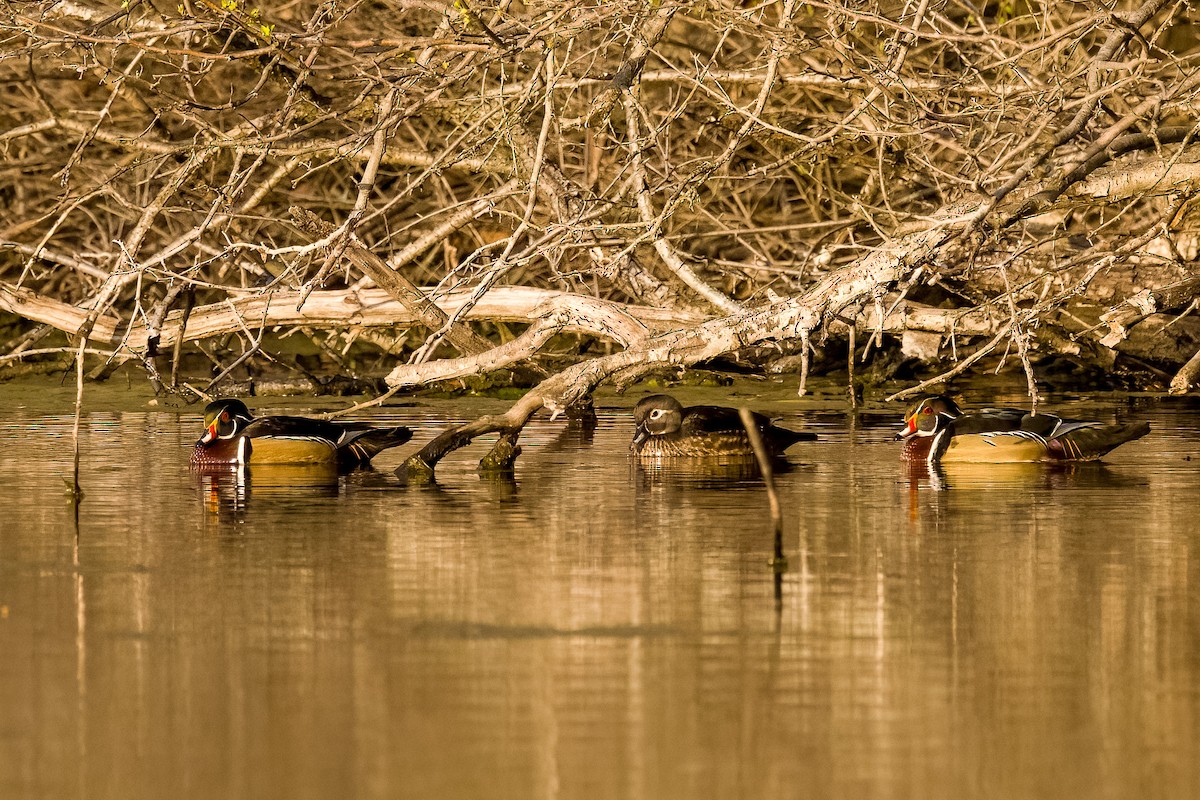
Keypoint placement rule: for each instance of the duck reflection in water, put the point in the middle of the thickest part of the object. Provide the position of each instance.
(1017, 477)
(228, 490)
(703, 473)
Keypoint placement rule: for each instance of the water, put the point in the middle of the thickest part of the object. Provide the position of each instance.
(589, 630)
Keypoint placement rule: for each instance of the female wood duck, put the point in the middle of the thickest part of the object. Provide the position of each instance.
(667, 429)
(233, 436)
(936, 430)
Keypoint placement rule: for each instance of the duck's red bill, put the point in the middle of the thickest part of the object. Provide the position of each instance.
(209, 434)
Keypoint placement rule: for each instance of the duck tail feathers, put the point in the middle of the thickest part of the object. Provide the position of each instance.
(1095, 442)
(783, 438)
(371, 442)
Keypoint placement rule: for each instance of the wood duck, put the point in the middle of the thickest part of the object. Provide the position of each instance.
(233, 436)
(936, 430)
(665, 429)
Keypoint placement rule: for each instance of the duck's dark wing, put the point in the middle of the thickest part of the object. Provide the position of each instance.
(992, 420)
(989, 420)
(718, 419)
(715, 419)
(295, 428)
(1002, 414)
(364, 442)
(1049, 426)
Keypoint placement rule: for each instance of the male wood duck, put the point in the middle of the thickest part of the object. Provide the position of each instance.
(233, 436)
(936, 430)
(667, 429)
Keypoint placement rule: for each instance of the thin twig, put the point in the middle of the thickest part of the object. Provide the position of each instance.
(779, 560)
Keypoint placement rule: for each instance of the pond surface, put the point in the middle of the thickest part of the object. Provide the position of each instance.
(591, 630)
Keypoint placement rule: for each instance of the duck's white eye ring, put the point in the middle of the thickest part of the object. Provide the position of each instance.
(656, 413)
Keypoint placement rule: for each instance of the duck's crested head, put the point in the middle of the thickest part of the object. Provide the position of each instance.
(223, 419)
(656, 415)
(927, 415)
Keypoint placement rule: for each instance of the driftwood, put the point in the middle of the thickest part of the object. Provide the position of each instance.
(1141, 305)
(1185, 379)
(343, 308)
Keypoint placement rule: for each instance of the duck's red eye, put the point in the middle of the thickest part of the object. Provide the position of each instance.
(224, 416)
(927, 410)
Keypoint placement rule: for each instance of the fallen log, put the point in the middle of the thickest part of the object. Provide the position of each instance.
(333, 309)
(1123, 316)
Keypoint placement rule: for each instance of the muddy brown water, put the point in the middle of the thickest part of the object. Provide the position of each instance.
(591, 630)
